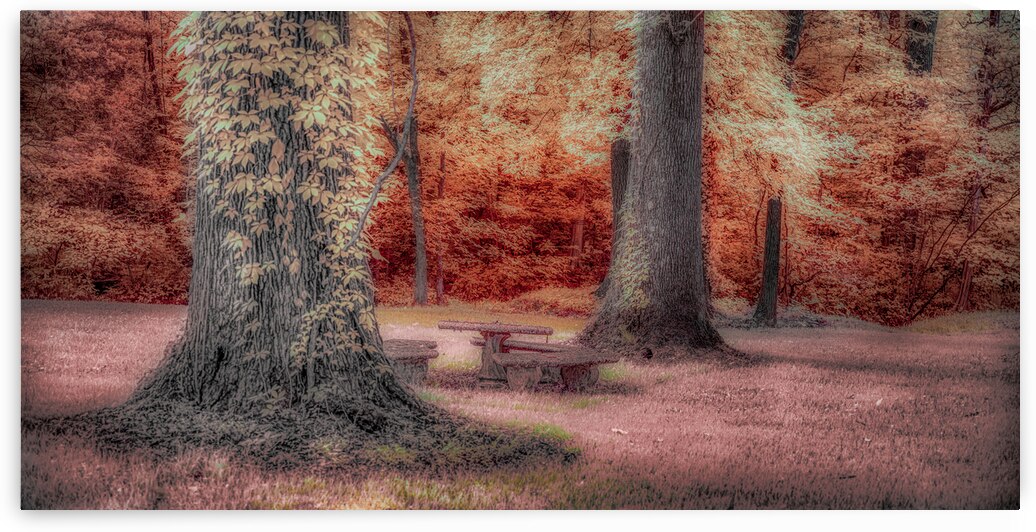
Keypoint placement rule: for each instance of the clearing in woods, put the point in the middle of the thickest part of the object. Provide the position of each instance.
(847, 416)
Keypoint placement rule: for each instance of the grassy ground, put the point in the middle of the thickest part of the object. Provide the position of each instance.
(836, 417)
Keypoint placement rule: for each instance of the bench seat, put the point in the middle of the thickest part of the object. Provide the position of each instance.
(409, 358)
(577, 365)
(541, 347)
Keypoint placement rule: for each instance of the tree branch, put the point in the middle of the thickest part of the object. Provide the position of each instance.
(403, 140)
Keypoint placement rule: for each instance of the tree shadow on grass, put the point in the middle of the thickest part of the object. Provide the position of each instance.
(441, 443)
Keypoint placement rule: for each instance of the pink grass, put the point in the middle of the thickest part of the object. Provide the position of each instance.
(836, 418)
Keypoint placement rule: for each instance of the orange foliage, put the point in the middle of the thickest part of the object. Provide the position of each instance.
(103, 186)
(876, 165)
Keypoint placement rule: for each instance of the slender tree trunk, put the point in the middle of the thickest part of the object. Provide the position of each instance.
(766, 307)
(920, 42)
(790, 48)
(620, 163)
(440, 276)
(149, 62)
(963, 302)
(276, 316)
(920, 52)
(578, 228)
(413, 164)
(787, 256)
(657, 295)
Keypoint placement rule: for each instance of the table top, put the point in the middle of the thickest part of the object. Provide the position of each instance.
(495, 327)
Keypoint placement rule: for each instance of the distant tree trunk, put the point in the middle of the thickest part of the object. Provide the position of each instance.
(961, 304)
(786, 284)
(920, 29)
(578, 227)
(790, 48)
(920, 40)
(271, 319)
(149, 62)
(440, 276)
(657, 294)
(620, 159)
(413, 162)
(963, 301)
(766, 307)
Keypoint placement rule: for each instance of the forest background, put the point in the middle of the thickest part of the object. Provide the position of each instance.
(899, 181)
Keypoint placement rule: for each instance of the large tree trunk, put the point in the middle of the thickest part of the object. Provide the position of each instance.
(413, 161)
(620, 162)
(766, 307)
(279, 315)
(657, 295)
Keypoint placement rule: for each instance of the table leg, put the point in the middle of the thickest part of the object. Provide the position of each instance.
(523, 378)
(578, 378)
(490, 370)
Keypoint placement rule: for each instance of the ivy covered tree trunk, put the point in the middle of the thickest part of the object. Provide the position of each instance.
(280, 312)
(766, 306)
(657, 295)
(620, 162)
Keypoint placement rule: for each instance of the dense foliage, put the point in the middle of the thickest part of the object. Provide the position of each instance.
(899, 187)
(103, 185)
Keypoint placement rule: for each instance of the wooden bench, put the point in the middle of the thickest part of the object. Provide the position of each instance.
(526, 363)
(409, 358)
(539, 347)
(493, 334)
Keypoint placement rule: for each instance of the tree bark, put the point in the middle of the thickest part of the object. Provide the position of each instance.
(301, 333)
(440, 276)
(766, 307)
(920, 43)
(620, 163)
(657, 295)
(413, 162)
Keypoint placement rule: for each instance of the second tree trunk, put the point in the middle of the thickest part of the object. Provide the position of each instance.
(766, 307)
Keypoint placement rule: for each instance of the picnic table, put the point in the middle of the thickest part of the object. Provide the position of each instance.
(529, 363)
(523, 364)
(494, 334)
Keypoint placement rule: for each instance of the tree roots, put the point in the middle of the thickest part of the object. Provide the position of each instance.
(310, 438)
